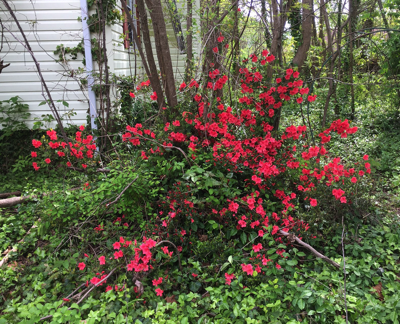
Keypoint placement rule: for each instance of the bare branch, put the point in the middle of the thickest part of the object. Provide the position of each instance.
(311, 249)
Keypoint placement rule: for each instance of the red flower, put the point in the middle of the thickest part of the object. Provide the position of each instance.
(118, 254)
(159, 292)
(313, 202)
(299, 100)
(132, 95)
(182, 86)
(248, 268)
(36, 143)
(81, 128)
(69, 164)
(109, 288)
(312, 98)
(278, 266)
(215, 49)
(117, 245)
(84, 166)
(194, 275)
(66, 299)
(81, 266)
(33, 154)
(153, 96)
(270, 58)
(60, 154)
(102, 260)
(176, 123)
(278, 80)
(365, 157)
(354, 180)
(228, 278)
(47, 160)
(257, 247)
(220, 39)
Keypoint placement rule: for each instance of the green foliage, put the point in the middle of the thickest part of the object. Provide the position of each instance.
(13, 114)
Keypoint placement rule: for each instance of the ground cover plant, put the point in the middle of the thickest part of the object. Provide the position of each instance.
(209, 214)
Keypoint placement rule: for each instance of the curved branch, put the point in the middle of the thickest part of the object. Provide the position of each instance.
(179, 257)
(310, 248)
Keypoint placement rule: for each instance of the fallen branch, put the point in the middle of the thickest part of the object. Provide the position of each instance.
(9, 202)
(83, 170)
(293, 238)
(122, 192)
(84, 296)
(8, 194)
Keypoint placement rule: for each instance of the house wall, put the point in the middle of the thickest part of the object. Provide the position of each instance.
(47, 24)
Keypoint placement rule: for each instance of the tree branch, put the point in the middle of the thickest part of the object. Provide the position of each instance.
(310, 248)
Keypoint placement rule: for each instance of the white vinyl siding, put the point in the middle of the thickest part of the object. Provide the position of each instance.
(46, 24)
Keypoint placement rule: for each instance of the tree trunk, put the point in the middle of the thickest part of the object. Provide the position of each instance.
(149, 64)
(385, 22)
(164, 54)
(276, 35)
(302, 52)
(106, 72)
(331, 63)
(189, 42)
(352, 24)
(264, 17)
(339, 40)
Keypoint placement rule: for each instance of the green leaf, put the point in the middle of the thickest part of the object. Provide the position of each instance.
(301, 304)
(195, 286)
(292, 262)
(224, 266)
(243, 238)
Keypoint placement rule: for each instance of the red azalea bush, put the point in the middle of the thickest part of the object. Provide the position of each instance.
(269, 178)
(78, 152)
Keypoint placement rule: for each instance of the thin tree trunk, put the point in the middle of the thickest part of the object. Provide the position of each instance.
(331, 63)
(302, 52)
(164, 55)
(189, 41)
(339, 41)
(105, 62)
(264, 17)
(277, 35)
(385, 22)
(353, 10)
(150, 65)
